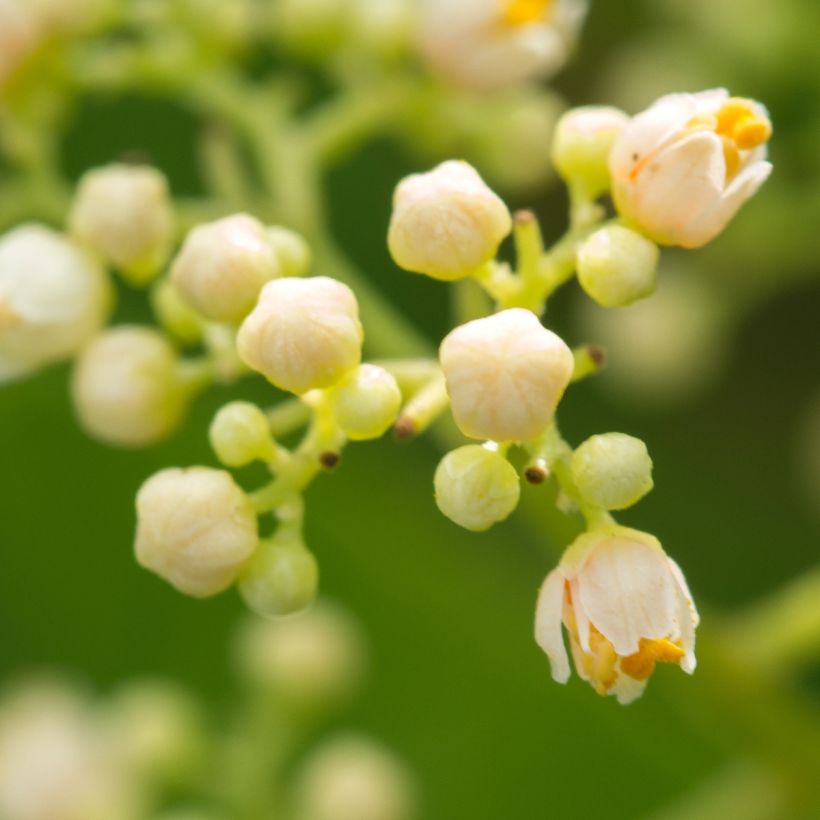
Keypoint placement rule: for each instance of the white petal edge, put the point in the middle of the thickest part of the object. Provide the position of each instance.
(548, 625)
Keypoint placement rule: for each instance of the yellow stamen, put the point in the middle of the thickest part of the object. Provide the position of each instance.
(731, 155)
(522, 12)
(739, 121)
(641, 665)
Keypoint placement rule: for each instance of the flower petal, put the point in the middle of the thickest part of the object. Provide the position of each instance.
(688, 618)
(627, 689)
(548, 625)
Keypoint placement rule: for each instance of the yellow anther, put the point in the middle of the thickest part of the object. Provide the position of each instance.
(641, 665)
(741, 122)
(522, 12)
(732, 156)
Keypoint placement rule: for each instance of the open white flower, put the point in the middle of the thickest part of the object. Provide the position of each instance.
(626, 607)
(53, 298)
(490, 44)
(682, 169)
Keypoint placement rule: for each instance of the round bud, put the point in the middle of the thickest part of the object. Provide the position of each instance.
(612, 470)
(617, 266)
(476, 487)
(282, 577)
(505, 375)
(53, 299)
(312, 658)
(223, 265)
(291, 249)
(195, 528)
(583, 140)
(124, 213)
(354, 779)
(303, 333)
(175, 314)
(126, 388)
(446, 223)
(240, 434)
(366, 402)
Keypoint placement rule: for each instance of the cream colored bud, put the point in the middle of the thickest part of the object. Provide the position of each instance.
(195, 528)
(291, 249)
(175, 314)
(303, 333)
(366, 402)
(282, 577)
(354, 779)
(240, 434)
(617, 266)
(476, 487)
(582, 143)
(447, 222)
(126, 387)
(315, 657)
(124, 213)
(505, 375)
(612, 470)
(53, 299)
(223, 265)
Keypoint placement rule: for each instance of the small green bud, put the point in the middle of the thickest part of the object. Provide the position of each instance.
(292, 250)
(617, 266)
(174, 313)
(476, 487)
(583, 140)
(281, 578)
(612, 470)
(240, 434)
(366, 402)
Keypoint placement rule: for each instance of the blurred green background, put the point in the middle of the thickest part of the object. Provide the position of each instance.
(457, 686)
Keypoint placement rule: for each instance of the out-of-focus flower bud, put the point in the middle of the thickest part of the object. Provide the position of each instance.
(223, 265)
(487, 44)
(626, 607)
(124, 213)
(126, 387)
(447, 222)
(240, 434)
(303, 333)
(617, 266)
(313, 658)
(175, 314)
(291, 249)
(311, 28)
(612, 470)
(582, 143)
(53, 299)
(476, 487)
(354, 779)
(281, 578)
(366, 402)
(195, 528)
(682, 169)
(505, 375)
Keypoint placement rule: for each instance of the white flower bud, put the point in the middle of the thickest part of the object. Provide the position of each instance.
(240, 434)
(582, 143)
(366, 402)
(126, 387)
(617, 266)
(315, 657)
(175, 314)
(626, 607)
(682, 169)
(282, 577)
(447, 222)
(612, 470)
(124, 213)
(303, 333)
(505, 375)
(354, 779)
(53, 298)
(291, 249)
(223, 265)
(476, 487)
(489, 44)
(195, 528)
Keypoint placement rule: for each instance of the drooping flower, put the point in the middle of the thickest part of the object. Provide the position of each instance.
(489, 44)
(682, 169)
(626, 607)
